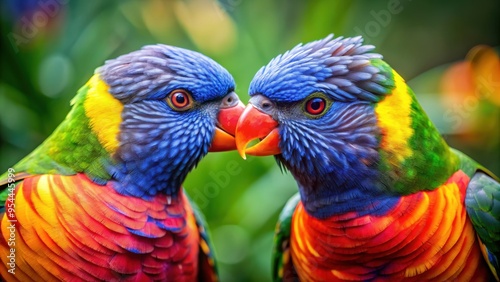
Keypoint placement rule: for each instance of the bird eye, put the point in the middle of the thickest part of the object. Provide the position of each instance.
(179, 100)
(230, 100)
(315, 106)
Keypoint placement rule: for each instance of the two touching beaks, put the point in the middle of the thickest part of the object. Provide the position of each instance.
(246, 125)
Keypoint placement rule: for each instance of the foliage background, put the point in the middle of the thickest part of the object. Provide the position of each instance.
(49, 48)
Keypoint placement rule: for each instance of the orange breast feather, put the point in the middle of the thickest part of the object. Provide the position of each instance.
(67, 227)
(426, 236)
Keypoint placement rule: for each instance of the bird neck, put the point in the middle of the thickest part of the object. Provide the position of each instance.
(149, 170)
(158, 149)
(72, 147)
(352, 190)
(413, 155)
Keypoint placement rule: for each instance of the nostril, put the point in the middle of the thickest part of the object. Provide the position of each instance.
(262, 103)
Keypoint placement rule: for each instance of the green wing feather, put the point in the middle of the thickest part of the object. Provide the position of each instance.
(482, 202)
(282, 268)
(483, 208)
(206, 262)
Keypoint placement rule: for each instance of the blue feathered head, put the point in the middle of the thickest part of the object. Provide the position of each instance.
(171, 99)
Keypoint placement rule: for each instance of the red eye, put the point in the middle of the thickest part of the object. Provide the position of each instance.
(179, 100)
(315, 106)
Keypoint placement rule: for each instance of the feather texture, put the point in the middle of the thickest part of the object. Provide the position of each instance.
(425, 236)
(95, 233)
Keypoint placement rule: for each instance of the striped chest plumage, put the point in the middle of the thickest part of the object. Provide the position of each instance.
(425, 236)
(70, 228)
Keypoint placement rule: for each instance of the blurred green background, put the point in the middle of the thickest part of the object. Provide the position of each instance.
(51, 47)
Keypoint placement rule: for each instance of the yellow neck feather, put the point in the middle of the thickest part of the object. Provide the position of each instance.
(394, 120)
(104, 113)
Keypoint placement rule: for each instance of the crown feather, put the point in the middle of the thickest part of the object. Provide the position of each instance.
(155, 70)
(341, 67)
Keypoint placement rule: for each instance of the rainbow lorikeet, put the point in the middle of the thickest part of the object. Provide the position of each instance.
(101, 198)
(382, 196)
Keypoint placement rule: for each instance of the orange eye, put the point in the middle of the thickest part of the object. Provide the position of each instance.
(315, 106)
(179, 100)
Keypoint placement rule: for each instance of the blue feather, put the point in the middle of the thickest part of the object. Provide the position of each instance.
(325, 65)
(155, 70)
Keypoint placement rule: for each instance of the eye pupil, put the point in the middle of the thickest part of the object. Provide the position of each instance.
(315, 106)
(179, 98)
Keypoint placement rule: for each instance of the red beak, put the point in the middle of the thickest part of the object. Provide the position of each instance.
(255, 124)
(226, 128)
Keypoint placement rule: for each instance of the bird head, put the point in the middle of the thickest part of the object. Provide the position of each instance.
(335, 114)
(157, 111)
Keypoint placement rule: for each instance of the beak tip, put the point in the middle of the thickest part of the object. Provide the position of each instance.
(242, 153)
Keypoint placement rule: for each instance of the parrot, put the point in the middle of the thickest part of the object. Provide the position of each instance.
(101, 199)
(381, 195)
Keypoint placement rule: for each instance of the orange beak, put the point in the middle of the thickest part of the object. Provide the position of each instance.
(255, 124)
(226, 128)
